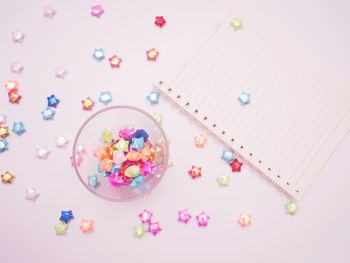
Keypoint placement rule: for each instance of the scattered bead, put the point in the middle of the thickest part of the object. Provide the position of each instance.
(88, 103)
(93, 181)
(4, 131)
(17, 67)
(98, 54)
(160, 21)
(154, 228)
(236, 24)
(42, 153)
(31, 194)
(184, 216)
(18, 36)
(49, 12)
(80, 149)
(200, 141)
(61, 228)
(202, 219)
(52, 101)
(158, 117)
(2, 119)
(61, 72)
(18, 128)
(11, 85)
(3, 145)
(66, 216)
(292, 208)
(227, 156)
(76, 161)
(223, 180)
(195, 172)
(115, 61)
(153, 97)
(87, 226)
(244, 98)
(48, 114)
(236, 165)
(7, 178)
(97, 11)
(145, 216)
(14, 97)
(105, 97)
(244, 220)
(61, 142)
(152, 54)
(139, 231)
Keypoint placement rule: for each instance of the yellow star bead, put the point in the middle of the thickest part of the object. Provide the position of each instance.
(122, 145)
(7, 178)
(158, 117)
(292, 208)
(236, 23)
(223, 180)
(244, 220)
(139, 231)
(4, 132)
(107, 136)
(61, 228)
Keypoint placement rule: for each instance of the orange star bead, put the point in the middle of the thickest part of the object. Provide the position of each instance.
(195, 172)
(88, 103)
(14, 97)
(4, 132)
(200, 141)
(106, 165)
(134, 156)
(100, 153)
(86, 226)
(152, 54)
(7, 178)
(244, 220)
(11, 85)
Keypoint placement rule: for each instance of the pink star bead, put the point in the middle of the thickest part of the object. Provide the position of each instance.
(184, 216)
(49, 12)
(145, 216)
(78, 160)
(17, 67)
(154, 228)
(97, 11)
(202, 219)
(18, 36)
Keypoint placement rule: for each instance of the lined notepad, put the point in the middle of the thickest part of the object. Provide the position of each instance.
(297, 115)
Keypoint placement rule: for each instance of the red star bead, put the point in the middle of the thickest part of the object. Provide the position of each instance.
(195, 172)
(14, 97)
(236, 165)
(115, 61)
(88, 103)
(160, 21)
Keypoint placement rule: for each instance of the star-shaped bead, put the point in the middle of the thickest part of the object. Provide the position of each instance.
(127, 133)
(52, 101)
(106, 136)
(227, 156)
(61, 72)
(122, 145)
(145, 216)
(159, 21)
(152, 54)
(115, 61)
(137, 143)
(80, 149)
(88, 103)
(244, 220)
(223, 180)
(236, 165)
(48, 114)
(3, 145)
(42, 153)
(76, 160)
(66, 216)
(11, 85)
(202, 219)
(2, 118)
(7, 178)
(292, 208)
(153, 97)
(4, 131)
(98, 54)
(137, 181)
(105, 97)
(200, 141)
(244, 98)
(18, 128)
(139, 231)
(61, 228)
(236, 24)
(154, 228)
(195, 172)
(49, 12)
(14, 96)
(158, 117)
(93, 181)
(119, 157)
(61, 141)
(87, 226)
(18, 36)
(31, 194)
(17, 67)
(97, 11)
(184, 216)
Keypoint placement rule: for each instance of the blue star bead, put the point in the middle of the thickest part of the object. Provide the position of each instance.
(52, 101)
(141, 133)
(137, 181)
(98, 54)
(18, 128)
(115, 169)
(105, 97)
(48, 114)
(93, 181)
(153, 97)
(227, 156)
(137, 143)
(244, 98)
(66, 216)
(3, 145)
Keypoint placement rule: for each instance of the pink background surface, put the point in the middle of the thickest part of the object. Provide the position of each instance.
(319, 233)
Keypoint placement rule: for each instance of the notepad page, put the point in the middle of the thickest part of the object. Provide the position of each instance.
(297, 115)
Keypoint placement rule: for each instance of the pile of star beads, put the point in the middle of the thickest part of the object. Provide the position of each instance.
(62, 225)
(147, 225)
(12, 91)
(229, 158)
(125, 160)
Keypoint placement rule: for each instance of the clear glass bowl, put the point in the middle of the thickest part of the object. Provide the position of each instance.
(115, 118)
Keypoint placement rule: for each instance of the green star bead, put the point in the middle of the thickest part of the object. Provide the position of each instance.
(123, 145)
(292, 208)
(107, 136)
(223, 180)
(139, 231)
(236, 24)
